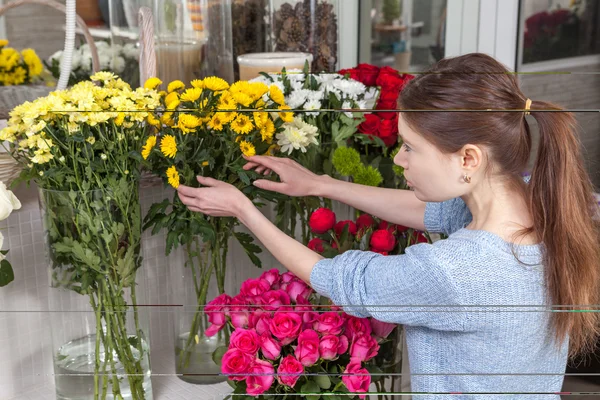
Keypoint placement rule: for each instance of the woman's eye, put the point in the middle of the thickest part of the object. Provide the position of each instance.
(406, 147)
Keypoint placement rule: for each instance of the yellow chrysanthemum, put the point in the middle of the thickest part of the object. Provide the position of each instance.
(227, 102)
(205, 163)
(276, 95)
(242, 125)
(19, 75)
(168, 146)
(257, 90)
(187, 123)
(215, 84)
(271, 150)
(267, 131)
(150, 143)
(163, 93)
(172, 101)
(120, 119)
(227, 116)
(167, 119)
(175, 85)
(240, 87)
(152, 120)
(152, 83)
(173, 176)
(260, 118)
(42, 156)
(33, 62)
(91, 140)
(103, 76)
(242, 98)
(191, 94)
(286, 116)
(197, 83)
(216, 122)
(247, 148)
(3, 42)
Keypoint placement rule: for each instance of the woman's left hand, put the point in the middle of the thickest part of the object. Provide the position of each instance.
(216, 198)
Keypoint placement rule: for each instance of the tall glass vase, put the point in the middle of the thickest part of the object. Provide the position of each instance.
(198, 271)
(100, 337)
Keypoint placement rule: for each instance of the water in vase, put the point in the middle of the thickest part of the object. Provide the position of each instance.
(196, 365)
(74, 368)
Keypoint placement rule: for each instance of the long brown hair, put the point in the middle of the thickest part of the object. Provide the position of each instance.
(559, 193)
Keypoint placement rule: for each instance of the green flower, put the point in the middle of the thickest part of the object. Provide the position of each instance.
(346, 161)
(368, 176)
(397, 169)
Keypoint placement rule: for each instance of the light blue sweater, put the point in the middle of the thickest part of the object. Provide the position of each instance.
(476, 319)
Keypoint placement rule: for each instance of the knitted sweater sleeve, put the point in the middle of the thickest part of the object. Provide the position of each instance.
(410, 289)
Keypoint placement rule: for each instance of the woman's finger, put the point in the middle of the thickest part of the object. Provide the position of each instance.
(267, 172)
(186, 190)
(194, 209)
(250, 165)
(206, 181)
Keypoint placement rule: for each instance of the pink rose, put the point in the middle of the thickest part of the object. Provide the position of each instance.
(285, 326)
(356, 379)
(331, 346)
(288, 277)
(236, 364)
(271, 276)
(364, 348)
(239, 312)
(307, 351)
(254, 287)
(356, 327)
(261, 378)
(309, 316)
(273, 299)
(381, 329)
(245, 340)
(260, 321)
(329, 323)
(217, 313)
(289, 371)
(296, 288)
(269, 347)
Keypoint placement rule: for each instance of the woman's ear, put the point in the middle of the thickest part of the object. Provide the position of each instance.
(471, 157)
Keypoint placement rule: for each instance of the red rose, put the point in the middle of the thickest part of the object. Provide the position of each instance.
(382, 240)
(418, 238)
(322, 220)
(387, 226)
(316, 244)
(365, 221)
(390, 80)
(370, 125)
(387, 105)
(339, 227)
(387, 95)
(401, 228)
(367, 74)
(388, 131)
(352, 72)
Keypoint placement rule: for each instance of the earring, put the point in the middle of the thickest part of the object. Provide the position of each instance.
(467, 178)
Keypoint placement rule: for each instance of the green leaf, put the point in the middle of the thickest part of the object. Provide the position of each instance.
(376, 373)
(266, 76)
(218, 354)
(323, 381)
(172, 241)
(310, 387)
(250, 247)
(6, 273)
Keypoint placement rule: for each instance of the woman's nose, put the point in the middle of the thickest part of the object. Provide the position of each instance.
(400, 159)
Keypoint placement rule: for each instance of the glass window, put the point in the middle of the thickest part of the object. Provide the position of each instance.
(407, 35)
(555, 29)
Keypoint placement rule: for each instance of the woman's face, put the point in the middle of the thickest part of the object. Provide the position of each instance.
(433, 176)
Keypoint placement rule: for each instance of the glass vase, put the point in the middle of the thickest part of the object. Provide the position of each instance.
(250, 31)
(308, 26)
(198, 272)
(99, 336)
(388, 363)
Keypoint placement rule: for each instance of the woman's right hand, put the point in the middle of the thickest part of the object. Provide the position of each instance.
(295, 179)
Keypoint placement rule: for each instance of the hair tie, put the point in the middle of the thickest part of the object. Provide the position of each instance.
(528, 106)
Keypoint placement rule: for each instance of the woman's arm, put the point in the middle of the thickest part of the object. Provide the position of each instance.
(393, 205)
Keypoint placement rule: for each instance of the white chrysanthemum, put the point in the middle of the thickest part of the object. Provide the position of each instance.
(350, 88)
(316, 95)
(371, 93)
(312, 105)
(322, 78)
(297, 98)
(362, 104)
(297, 135)
(130, 51)
(347, 105)
(295, 74)
(117, 64)
(56, 56)
(297, 85)
(104, 59)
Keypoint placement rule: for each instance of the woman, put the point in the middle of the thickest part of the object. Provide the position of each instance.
(476, 306)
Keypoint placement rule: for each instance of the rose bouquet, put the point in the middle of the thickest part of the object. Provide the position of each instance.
(8, 203)
(376, 136)
(288, 341)
(120, 59)
(204, 130)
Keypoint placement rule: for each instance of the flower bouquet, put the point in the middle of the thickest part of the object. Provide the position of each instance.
(376, 136)
(204, 130)
(320, 100)
(289, 342)
(120, 59)
(82, 146)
